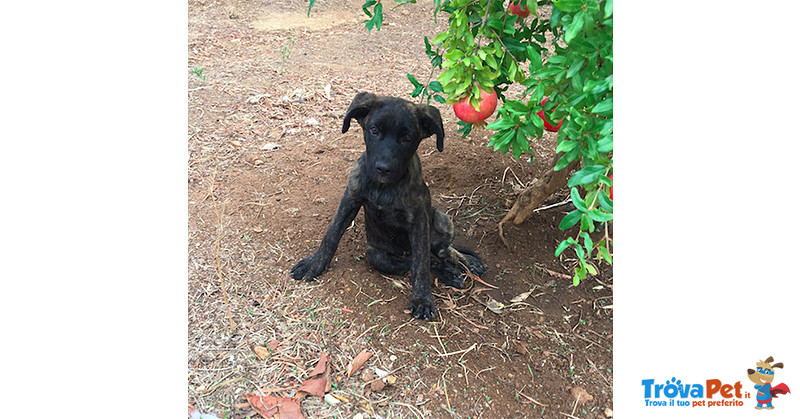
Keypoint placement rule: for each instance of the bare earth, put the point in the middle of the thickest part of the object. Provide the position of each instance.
(267, 165)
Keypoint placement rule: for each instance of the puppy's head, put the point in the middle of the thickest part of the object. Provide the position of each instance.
(393, 129)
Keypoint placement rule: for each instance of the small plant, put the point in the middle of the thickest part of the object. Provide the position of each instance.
(200, 73)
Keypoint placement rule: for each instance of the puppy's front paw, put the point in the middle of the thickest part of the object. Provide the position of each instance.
(422, 307)
(308, 269)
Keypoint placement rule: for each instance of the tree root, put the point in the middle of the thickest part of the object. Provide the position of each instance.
(533, 196)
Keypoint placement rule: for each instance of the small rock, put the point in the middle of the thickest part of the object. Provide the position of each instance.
(312, 121)
(358, 416)
(236, 143)
(392, 358)
(333, 401)
(257, 162)
(270, 146)
(377, 385)
(258, 229)
(391, 379)
(609, 413)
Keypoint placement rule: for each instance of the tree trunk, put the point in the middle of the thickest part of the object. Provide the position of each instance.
(534, 195)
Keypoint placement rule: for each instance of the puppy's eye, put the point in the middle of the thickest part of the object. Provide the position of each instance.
(406, 139)
(374, 130)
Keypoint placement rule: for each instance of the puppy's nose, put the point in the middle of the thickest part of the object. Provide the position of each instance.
(383, 168)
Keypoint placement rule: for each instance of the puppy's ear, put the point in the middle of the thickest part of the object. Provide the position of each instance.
(359, 108)
(431, 122)
(778, 365)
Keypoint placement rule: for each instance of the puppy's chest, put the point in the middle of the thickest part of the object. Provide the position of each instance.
(389, 210)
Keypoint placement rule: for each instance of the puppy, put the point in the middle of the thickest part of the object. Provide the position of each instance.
(404, 232)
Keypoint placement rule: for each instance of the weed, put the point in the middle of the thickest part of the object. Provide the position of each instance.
(200, 73)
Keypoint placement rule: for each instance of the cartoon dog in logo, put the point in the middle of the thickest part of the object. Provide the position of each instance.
(763, 376)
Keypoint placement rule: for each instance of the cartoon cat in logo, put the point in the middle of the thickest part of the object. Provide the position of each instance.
(763, 376)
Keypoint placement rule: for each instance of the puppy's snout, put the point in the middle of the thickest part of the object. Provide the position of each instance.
(383, 169)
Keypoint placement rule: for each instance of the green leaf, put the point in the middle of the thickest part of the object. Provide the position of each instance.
(577, 200)
(501, 124)
(439, 99)
(310, 5)
(566, 159)
(413, 80)
(587, 242)
(440, 38)
(378, 15)
(436, 87)
(535, 58)
(562, 247)
(605, 108)
(521, 144)
(609, 8)
(568, 6)
(592, 270)
(600, 216)
(569, 220)
(575, 67)
(605, 202)
(586, 175)
(573, 29)
(565, 146)
(605, 144)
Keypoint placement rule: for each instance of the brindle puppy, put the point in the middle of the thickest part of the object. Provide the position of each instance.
(403, 229)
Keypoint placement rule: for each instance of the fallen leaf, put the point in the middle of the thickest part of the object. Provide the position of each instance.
(236, 143)
(319, 380)
(377, 385)
(267, 407)
(522, 297)
(261, 352)
(493, 305)
(273, 344)
(391, 379)
(522, 349)
(357, 362)
(538, 334)
(580, 395)
(367, 376)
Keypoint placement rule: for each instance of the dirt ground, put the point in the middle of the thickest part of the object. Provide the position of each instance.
(267, 165)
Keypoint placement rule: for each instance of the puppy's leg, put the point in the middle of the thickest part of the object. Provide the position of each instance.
(310, 267)
(452, 256)
(421, 305)
(387, 263)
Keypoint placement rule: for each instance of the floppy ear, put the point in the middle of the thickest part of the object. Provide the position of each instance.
(778, 365)
(768, 360)
(359, 108)
(431, 122)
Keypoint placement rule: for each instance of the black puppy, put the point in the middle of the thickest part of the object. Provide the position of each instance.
(403, 230)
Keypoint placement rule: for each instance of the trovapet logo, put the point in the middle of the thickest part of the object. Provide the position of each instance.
(675, 393)
(716, 393)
